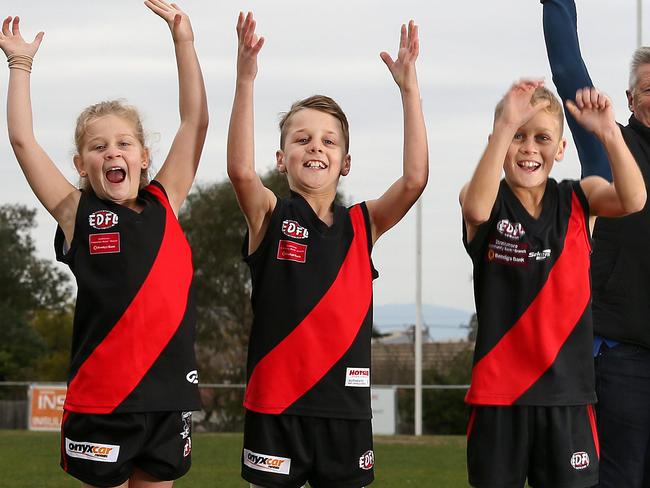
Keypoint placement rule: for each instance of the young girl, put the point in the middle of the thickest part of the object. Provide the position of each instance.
(133, 378)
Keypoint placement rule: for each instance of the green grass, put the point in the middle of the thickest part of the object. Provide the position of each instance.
(30, 459)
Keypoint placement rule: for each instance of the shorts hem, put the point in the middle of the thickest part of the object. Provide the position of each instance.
(266, 483)
(103, 483)
(166, 476)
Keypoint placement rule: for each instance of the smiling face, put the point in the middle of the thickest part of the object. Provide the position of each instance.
(638, 98)
(112, 158)
(314, 154)
(533, 150)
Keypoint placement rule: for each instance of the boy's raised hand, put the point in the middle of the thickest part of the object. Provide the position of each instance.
(403, 68)
(249, 46)
(12, 42)
(517, 109)
(177, 20)
(593, 110)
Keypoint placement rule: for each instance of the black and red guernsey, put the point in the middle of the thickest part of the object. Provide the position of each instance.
(309, 350)
(533, 301)
(133, 333)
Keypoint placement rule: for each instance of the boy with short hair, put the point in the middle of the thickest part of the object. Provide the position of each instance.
(528, 236)
(308, 393)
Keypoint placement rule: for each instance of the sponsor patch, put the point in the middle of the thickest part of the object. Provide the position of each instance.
(357, 377)
(104, 453)
(292, 228)
(540, 255)
(580, 460)
(292, 251)
(510, 230)
(510, 253)
(107, 243)
(186, 418)
(193, 377)
(102, 219)
(265, 462)
(367, 460)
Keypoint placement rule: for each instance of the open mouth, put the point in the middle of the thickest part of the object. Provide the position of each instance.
(315, 164)
(529, 166)
(115, 175)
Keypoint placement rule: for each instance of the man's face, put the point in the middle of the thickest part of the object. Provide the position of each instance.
(638, 99)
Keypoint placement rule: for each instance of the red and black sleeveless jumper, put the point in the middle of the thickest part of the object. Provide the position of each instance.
(133, 332)
(533, 301)
(309, 350)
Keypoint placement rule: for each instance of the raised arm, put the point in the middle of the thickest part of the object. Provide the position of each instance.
(569, 75)
(478, 196)
(256, 201)
(178, 171)
(57, 194)
(389, 209)
(627, 193)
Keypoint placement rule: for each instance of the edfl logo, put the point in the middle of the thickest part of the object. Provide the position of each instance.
(580, 460)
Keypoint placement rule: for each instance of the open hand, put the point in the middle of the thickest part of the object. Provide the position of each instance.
(177, 20)
(249, 46)
(403, 68)
(593, 110)
(516, 107)
(12, 42)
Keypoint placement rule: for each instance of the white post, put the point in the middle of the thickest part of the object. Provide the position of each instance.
(639, 23)
(418, 318)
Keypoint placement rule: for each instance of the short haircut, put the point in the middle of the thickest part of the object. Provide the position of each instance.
(110, 107)
(640, 57)
(322, 104)
(541, 93)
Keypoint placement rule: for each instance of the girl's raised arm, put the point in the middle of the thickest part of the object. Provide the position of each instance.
(178, 170)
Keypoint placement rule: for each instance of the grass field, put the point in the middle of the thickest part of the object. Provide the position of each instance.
(30, 460)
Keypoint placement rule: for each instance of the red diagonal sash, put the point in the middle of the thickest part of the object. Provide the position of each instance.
(297, 363)
(122, 359)
(530, 347)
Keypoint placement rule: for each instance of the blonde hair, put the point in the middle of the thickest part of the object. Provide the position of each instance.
(541, 93)
(119, 109)
(321, 103)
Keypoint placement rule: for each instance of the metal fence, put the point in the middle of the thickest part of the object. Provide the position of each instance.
(444, 411)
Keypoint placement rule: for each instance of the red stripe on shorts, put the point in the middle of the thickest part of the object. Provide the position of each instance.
(532, 344)
(594, 428)
(299, 362)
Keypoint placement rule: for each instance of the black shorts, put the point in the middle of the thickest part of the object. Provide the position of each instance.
(286, 451)
(103, 450)
(554, 447)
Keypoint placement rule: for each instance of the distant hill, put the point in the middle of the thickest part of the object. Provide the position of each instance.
(444, 323)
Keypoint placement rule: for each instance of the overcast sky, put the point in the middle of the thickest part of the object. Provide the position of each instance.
(471, 51)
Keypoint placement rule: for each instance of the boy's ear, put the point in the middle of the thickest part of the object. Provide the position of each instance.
(279, 161)
(79, 165)
(630, 100)
(559, 155)
(145, 156)
(345, 167)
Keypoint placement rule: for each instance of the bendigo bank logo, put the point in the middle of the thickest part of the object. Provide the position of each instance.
(513, 231)
(292, 228)
(102, 219)
(580, 460)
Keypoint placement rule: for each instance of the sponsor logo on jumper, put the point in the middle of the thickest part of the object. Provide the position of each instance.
(357, 377)
(105, 453)
(292, 251)
(540, 255)
(102, 219)
(107, 243)
(580, 460)
(193, 377)
(510, 253)
(186, 418)
(188, 447)
(367, 460)
(266, 462)
(292, 228)
(512, 231)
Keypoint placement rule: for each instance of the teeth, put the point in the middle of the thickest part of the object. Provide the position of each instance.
(529, 164)
(315, 164)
